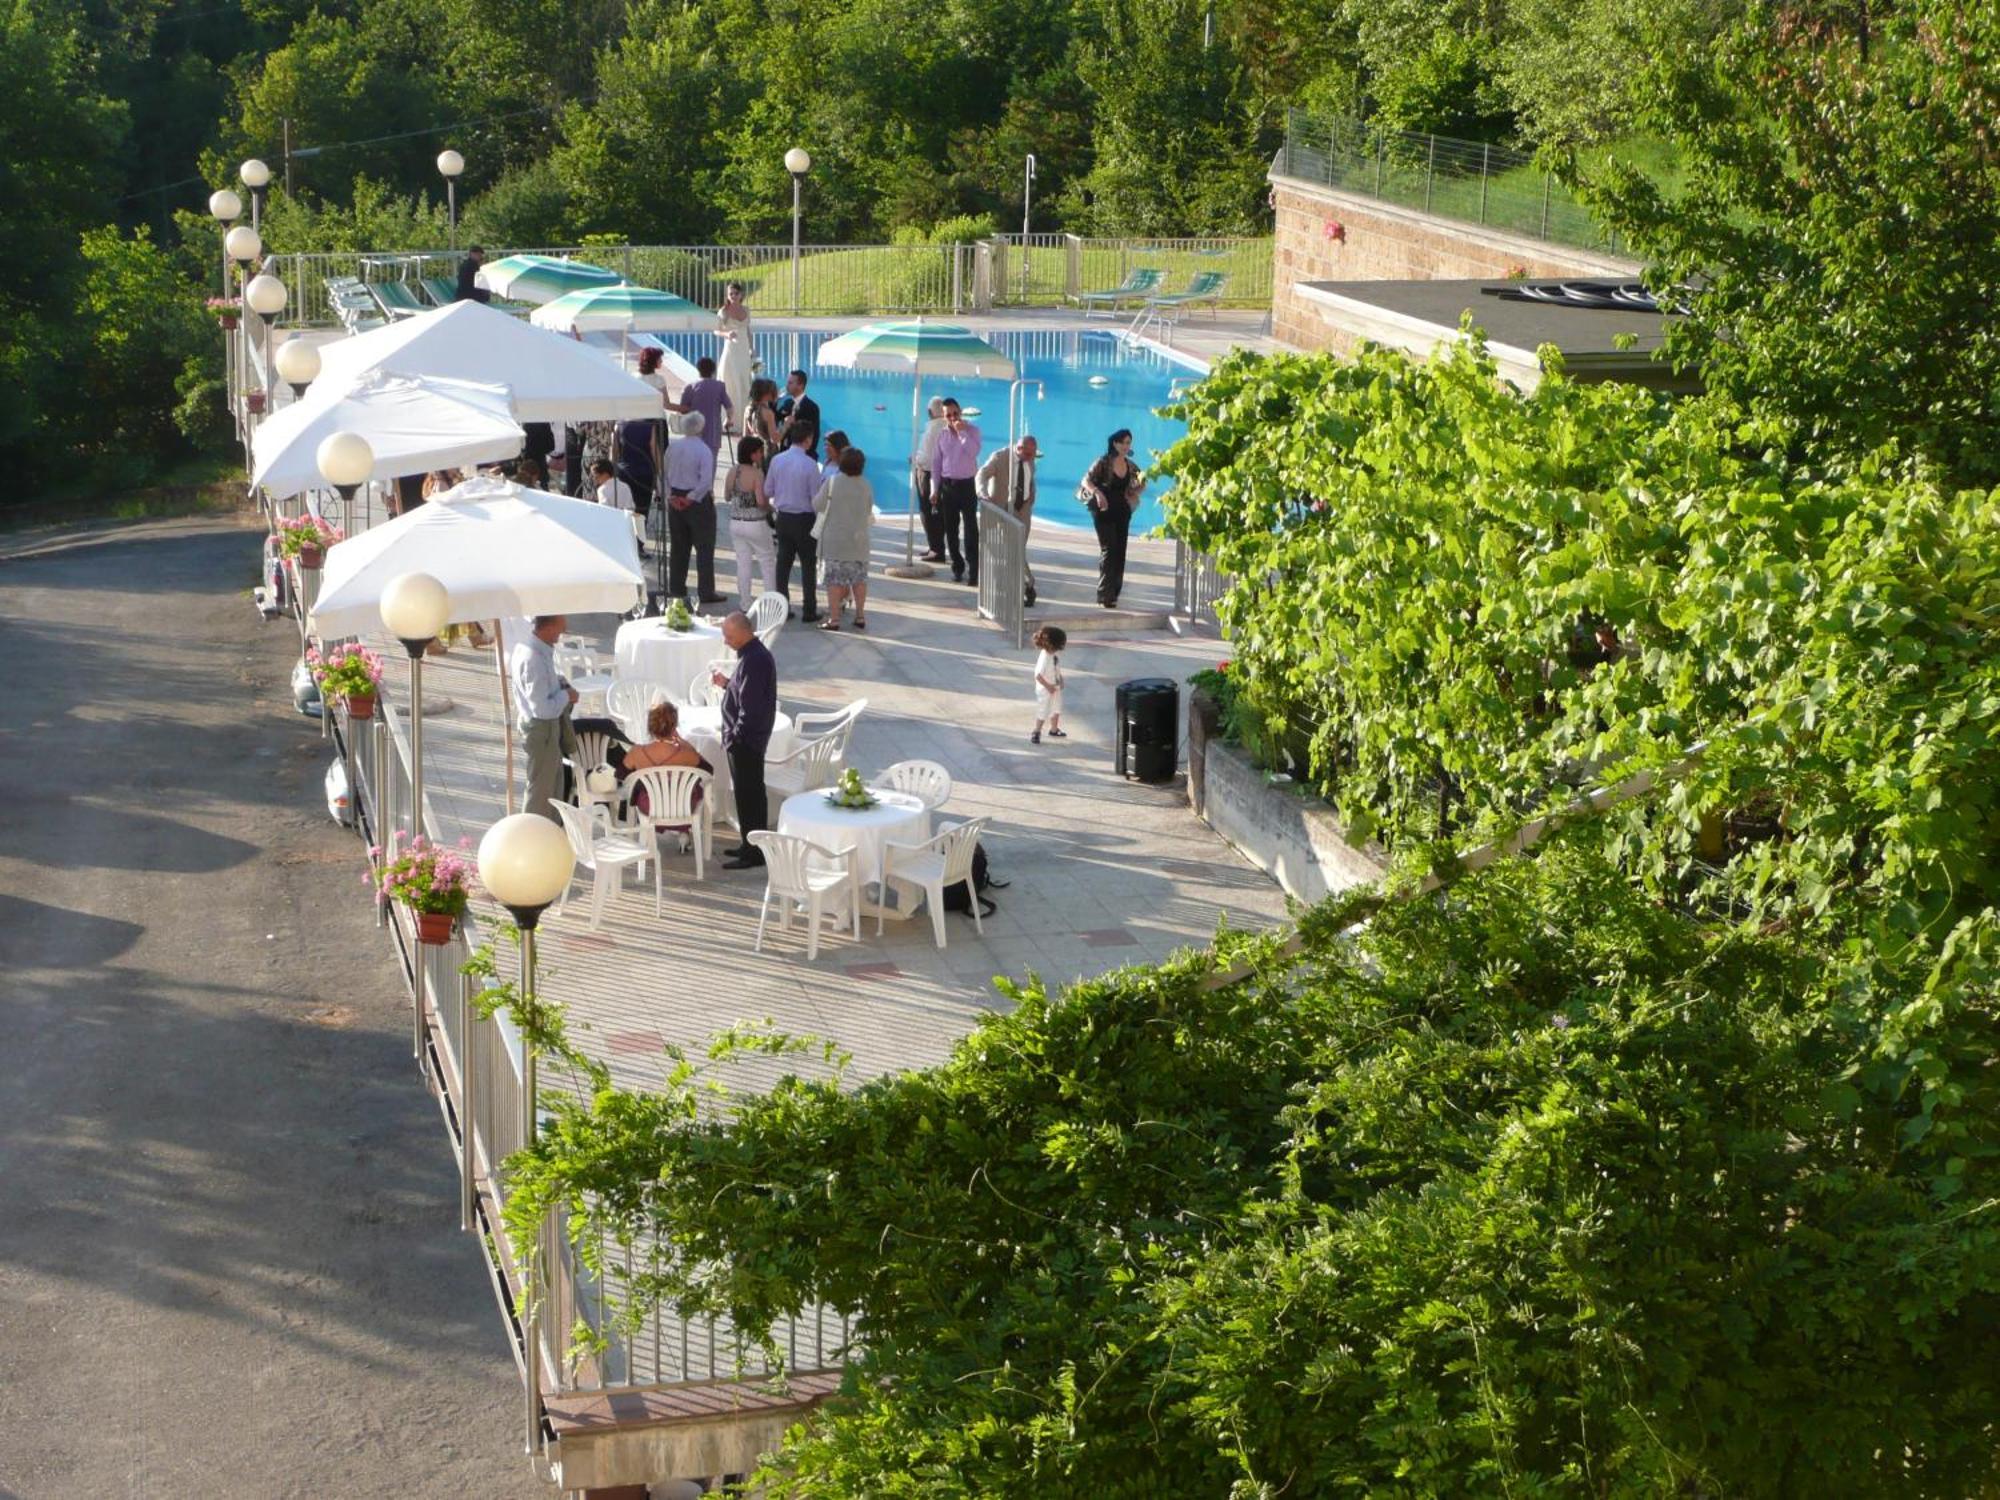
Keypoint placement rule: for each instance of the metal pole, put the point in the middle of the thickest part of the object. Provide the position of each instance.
(1027, 195)
(416, 651)
(796, 180)
(1485, 176)
(1546, 180)
(468, 1130)
(530, 1336)
(1430, 171)
(451, 208)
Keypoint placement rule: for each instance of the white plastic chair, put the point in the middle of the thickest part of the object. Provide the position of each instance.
(603, 850)
(671, 807)
(593, 749)
(768, 613)
(813, 765)
(702, 691)
(841, 718)
(800, 872)
(924, 779)
(942, 860)
(576, 656)
(630, 698)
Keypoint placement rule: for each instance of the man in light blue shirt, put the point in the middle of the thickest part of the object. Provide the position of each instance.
(691, 509)
(792, 482)
(542, 701)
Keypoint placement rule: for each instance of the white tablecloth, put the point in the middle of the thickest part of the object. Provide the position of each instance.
(651, 652)
(900, 818)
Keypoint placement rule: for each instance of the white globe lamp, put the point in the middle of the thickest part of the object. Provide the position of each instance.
(298, 364)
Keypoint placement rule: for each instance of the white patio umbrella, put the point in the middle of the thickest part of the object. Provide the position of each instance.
(413, 423)
(553, 378)
(501, 551)
(923, 349)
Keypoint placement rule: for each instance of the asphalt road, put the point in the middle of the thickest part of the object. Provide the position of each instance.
(230, 1262)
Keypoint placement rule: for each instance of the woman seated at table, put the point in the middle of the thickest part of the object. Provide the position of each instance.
(664, 747)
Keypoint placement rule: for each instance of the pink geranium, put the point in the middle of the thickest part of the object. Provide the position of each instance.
(428, 877)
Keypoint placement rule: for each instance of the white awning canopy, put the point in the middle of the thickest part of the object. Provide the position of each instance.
(415, 424)
(500, 550)
(553, 378)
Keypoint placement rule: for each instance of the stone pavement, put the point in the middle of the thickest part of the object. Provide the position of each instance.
(1103, 872)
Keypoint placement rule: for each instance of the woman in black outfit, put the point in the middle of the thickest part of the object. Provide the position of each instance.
(1112, 486)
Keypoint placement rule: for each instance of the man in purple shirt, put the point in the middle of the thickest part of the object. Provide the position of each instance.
(954, 462)
(792, 482)
(708, 396)
(749, 709)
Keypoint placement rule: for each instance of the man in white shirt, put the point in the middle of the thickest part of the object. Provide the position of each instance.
(1007, 479)
(691, 509)
(927, 506)
(542, 702)
(611, 490)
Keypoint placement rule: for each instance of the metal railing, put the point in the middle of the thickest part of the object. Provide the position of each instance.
(1474, 181)
(475, 1068)
(1198, 583)
(1003, 572)
(840, 280)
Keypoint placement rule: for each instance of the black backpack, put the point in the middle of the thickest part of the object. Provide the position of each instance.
(959, 897)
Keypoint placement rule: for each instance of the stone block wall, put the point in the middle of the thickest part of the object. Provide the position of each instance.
(1382, 242)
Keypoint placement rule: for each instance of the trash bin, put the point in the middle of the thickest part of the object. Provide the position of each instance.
(1149, 713)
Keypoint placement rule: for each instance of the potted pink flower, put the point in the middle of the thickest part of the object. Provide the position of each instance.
(348, 674)
(434, 882)
(305, 539)
(226, 309)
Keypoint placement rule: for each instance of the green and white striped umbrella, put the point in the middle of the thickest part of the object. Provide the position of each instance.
(917, 347)
(923, 349)
(621, 309)
(542, 278)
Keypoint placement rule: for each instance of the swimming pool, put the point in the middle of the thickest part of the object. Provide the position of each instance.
(1070, 422)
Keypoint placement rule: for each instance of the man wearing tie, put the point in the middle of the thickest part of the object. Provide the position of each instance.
(749, 709)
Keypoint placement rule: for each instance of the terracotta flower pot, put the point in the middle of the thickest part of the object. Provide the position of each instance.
(253, 401)
(434, 927)
(361, 705)
(311, 556)
(228, 321)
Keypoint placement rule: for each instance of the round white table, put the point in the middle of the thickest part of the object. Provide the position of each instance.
(898, 818)
(647, 650)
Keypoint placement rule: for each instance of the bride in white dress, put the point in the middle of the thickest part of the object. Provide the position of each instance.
(739, 353)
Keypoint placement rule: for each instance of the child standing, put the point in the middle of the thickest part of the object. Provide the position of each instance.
(1049, 640)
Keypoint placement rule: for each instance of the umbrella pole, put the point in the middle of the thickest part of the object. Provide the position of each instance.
(910, 567)
(506, 714)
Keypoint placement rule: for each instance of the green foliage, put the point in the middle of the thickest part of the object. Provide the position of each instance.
(1538, 1188)
(1482, 601)
(1838, 221)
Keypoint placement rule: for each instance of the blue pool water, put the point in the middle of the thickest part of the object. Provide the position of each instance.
(1070, 422)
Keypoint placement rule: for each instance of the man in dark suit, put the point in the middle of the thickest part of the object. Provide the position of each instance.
(796, 406)
(749, 709)
(468, 273)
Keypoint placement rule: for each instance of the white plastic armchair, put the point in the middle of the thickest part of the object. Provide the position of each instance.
(593, 749)
(811, 766)
(940, 861)
(702, 691)
(841, 718)
(798, 872)
(679, 799)
(576, 656)
(629, 699)
(604, 851)
(768, 614)
(923, 779)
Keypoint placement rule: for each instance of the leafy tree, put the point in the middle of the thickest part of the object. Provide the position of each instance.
(140, 331)
(1538, 1188)
(1837, 232)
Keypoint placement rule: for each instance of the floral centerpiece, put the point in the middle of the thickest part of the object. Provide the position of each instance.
(306, 538)
(851, 793)
(226, 309)
(677, 617)
(349, 674)
(434, 882)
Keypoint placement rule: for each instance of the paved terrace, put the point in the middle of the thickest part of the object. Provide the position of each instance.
(1103, 872)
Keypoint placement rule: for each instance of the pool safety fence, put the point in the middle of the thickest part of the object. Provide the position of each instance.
(1473, 181)
(1043, 270)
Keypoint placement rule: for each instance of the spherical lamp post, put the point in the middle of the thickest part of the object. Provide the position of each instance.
(242, 245)
(298, 364)
(525, 863)
(225, 207)
(267, 297)
(256, 177)
(414, 608)
(346, 462)
(450, 164)
(798, 163)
